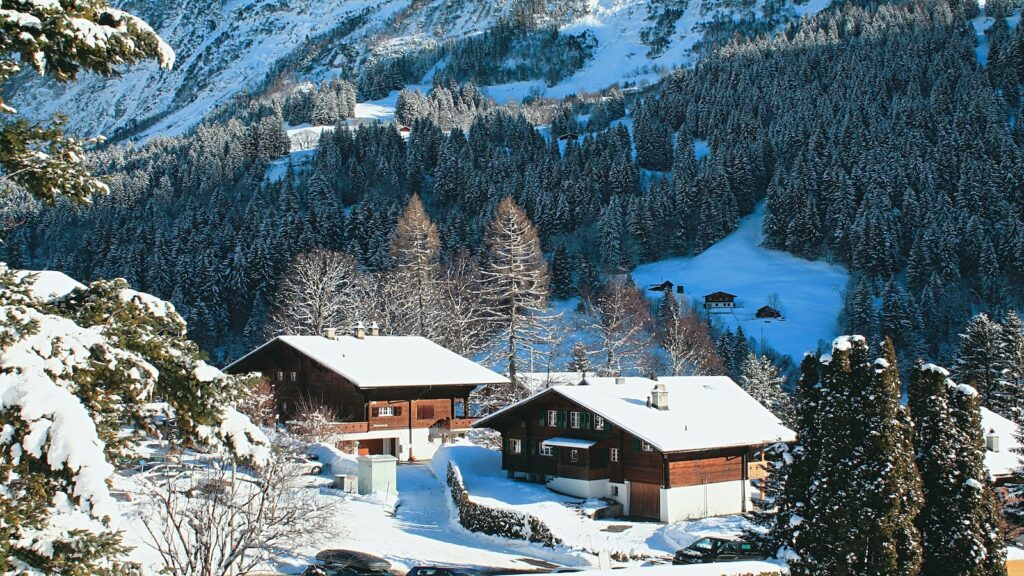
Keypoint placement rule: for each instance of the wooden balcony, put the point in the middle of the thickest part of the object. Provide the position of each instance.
(757, 470)
(350, 427)
(448, 424)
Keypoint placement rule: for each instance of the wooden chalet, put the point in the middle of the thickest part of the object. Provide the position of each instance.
(767, 313)
(719, 301)
(667, 449)
(397, 395)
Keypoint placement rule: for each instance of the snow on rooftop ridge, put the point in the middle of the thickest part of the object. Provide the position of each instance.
(383, 361)
(1004, 462)
(694, 420)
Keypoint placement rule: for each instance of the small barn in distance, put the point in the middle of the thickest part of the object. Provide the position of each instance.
(768, 313)
(665, 287)
(719, 301)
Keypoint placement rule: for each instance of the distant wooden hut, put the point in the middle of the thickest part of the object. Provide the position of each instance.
(768, 313)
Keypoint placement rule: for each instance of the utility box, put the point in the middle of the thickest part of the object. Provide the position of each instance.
(378, 473)
(346, 483)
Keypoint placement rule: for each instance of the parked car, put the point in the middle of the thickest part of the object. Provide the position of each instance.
(440, 571)
(347, 563)
(710, 549)
(310, 465)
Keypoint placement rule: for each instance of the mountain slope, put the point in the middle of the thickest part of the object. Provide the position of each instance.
(232, 47)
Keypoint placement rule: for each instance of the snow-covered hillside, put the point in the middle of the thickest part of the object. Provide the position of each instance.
(231, 47)
(807, 293)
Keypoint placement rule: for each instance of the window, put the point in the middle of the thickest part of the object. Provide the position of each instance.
(574, 419)
(546, 450)
(294, 376)
(703, 544)
(574, 455)
(615, 490)
(280, 376)
(646, 447)
(425, 412)
(385, 410)
(598, 422)
(515, 445)
(553, 418)
(613, 455)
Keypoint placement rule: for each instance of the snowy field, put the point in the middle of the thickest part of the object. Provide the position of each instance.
(809, 292)
(487, 484)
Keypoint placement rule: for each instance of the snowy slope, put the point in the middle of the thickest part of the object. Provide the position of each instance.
(230, 47)
(808, 292)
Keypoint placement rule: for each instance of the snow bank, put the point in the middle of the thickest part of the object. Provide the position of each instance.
(334, 460)
(682, 534)
(715, 569)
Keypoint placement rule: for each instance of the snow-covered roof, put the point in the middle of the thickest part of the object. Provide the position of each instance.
(704, 412)
(386, 361)
(1004, 462)
(566, 442)
(534, 381)
(49, 284)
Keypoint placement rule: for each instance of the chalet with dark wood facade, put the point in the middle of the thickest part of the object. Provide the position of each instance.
(719, 301)
(397, 395)
(668, 449)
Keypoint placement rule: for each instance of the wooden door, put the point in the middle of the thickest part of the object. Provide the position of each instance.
(645, 500)
(371, 447)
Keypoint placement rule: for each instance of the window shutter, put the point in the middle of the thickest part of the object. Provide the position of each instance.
(543, 418)
(562, 416)
(585, 421)
(636, 444)
(375, 412)
(533, 448)
(504, 445)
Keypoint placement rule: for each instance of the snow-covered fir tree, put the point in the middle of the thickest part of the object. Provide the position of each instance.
(760, 378)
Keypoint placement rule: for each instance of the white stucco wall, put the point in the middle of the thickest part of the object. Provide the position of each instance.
(580, 488)
(423, 447)
(717, 499)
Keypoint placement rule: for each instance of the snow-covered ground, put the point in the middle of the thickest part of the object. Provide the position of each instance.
(809, 292)
(488, 485)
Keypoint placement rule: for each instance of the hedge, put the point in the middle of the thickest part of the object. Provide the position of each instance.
(495, 521)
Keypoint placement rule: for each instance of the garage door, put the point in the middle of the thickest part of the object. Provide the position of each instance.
(645, 500)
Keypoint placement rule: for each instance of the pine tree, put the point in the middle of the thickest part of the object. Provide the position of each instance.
(760, 378)
(866, 492)
(978, 361)
(47, 37)
(580, 359)
(1009, 401)
(514, 291)
(959, 523)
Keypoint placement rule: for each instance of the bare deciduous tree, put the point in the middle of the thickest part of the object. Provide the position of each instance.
(622, 322)
(260, 403)
(685, 337)
(313, 419)
(321, 289)
(222, 522)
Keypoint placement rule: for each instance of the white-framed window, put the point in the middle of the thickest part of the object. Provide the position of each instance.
(646, 447)
(574, 419)
(515, 445)
(553, 418)
(386, 411)
(574, 455)
(294, 376)
(598, 422)
(546, 450)
(280, 376)
(613, 455)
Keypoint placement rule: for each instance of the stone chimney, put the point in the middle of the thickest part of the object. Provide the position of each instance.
(659, 397)
(374, 329)
(992, 441)
(331, 333)
(360, 330)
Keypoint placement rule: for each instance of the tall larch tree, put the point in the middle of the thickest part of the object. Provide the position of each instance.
(514, 281)
(415, 249)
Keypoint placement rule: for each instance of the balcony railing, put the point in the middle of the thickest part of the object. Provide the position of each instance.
(350, 427)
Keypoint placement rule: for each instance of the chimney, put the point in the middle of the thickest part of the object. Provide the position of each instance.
(620, 380)
(992, 441)
(331, 333)
(374, 329)
(360, 331)
(659, 396)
